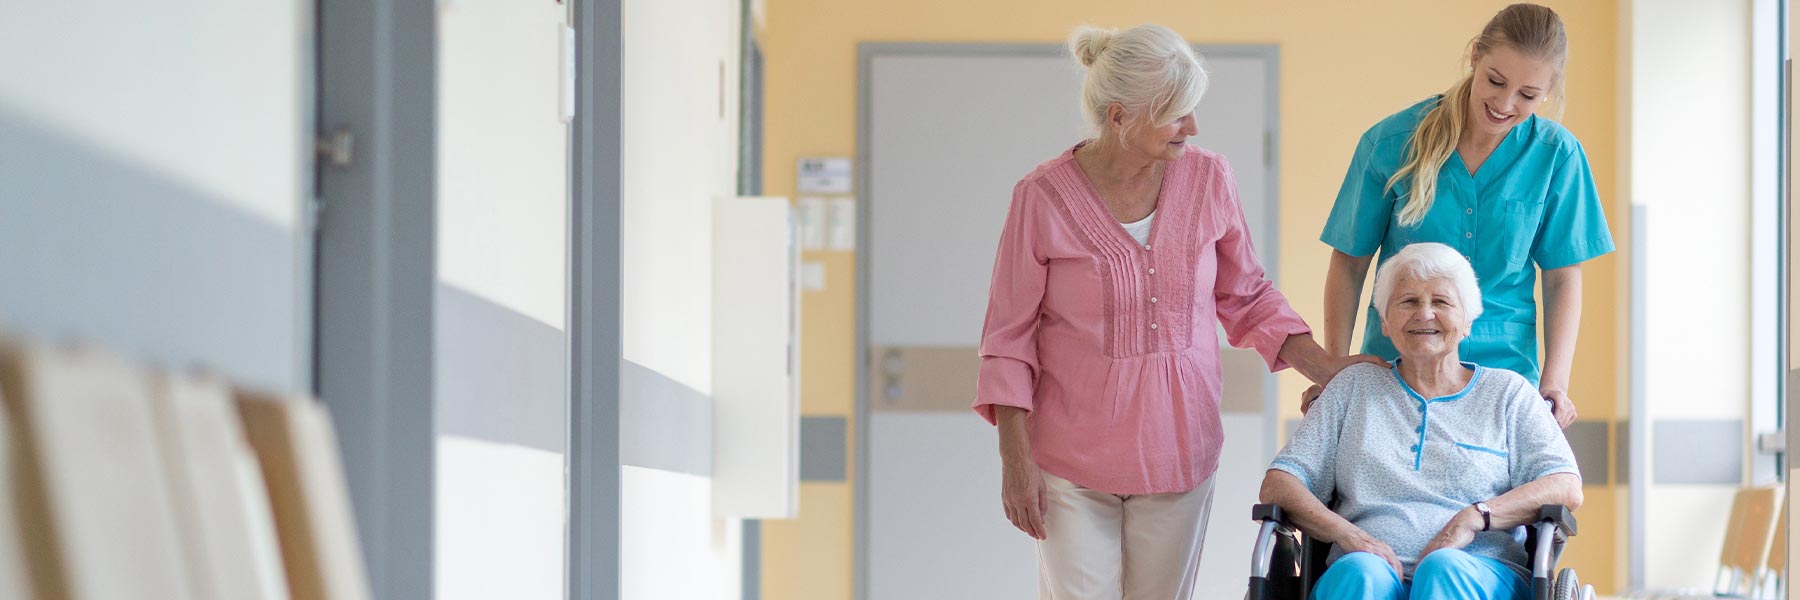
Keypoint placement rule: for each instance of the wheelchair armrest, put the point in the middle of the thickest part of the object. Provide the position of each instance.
(1268, 512)
(1560, 515)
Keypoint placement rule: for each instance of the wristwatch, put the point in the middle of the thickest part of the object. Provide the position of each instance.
(1487, 515)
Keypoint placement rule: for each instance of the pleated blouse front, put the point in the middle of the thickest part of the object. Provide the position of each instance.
(1113, 345)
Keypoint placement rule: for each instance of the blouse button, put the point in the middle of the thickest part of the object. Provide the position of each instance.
(1152, 270)
(1153, 299)
(1146, 246)
(1468, 211)
(1469, 234)
(1153, 326)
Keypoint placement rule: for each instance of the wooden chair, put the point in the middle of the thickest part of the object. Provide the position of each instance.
(15, 570)
(297, 449)
(222, 504)
(1747, 540)
(94, 511)
(1771, 580)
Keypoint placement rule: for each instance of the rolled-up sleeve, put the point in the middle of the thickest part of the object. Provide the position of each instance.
(1255, 314)
(1538, 447)
(1009, 357)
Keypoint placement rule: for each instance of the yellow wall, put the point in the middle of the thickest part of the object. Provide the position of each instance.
(1344, 65)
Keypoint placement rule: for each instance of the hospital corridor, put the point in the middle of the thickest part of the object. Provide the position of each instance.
(897, 300)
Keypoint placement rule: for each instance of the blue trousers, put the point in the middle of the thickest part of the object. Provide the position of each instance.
(1447, 573)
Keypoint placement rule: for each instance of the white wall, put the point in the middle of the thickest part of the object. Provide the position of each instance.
(672, 550)
(1689, 166)
(680, 154)
(501, 345)
(154, 159)
(680, 78)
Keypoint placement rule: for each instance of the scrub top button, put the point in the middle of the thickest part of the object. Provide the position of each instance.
(1468, 211)
(1469, 234)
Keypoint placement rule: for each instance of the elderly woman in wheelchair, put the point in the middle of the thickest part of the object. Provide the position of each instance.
(1432, 465)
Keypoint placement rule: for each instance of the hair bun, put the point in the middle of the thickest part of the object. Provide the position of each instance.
(1088, 42)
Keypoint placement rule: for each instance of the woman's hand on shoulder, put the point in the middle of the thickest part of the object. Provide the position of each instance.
(1312, 393)
(1022, 494)
(1358, 540)
(1309, 396)
(1364, 358)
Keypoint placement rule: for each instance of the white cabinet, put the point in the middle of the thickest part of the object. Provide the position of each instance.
(756, 340)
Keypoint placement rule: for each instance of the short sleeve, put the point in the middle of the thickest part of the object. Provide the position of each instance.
(1359, 218)
(1311, 453)
(1574, 226)
(1538, 448)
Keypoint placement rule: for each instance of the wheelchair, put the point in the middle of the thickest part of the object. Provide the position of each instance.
(1286, 563)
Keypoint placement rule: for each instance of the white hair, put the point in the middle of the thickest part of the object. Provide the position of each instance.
(1148, 69)
(1429, 261)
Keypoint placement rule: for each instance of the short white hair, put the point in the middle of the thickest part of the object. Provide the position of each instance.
(1429, 261)
(1148, 69)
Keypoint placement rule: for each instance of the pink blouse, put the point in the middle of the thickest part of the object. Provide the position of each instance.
(1112, 345)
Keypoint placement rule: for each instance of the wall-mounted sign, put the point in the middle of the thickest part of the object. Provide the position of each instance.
(824, 175)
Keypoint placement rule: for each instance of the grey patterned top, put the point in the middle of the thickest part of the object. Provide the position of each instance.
(1402, 465)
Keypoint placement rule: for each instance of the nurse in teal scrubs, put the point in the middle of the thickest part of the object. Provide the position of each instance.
(1475, 169)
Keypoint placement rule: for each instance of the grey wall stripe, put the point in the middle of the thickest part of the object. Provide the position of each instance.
(1589, 440)
(145, 275)
(500, 374)
(1696, 451)
(1622, 453)
(664, 424)
(824, 448)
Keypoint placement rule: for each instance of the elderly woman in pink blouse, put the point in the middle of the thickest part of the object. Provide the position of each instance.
(1100, 360)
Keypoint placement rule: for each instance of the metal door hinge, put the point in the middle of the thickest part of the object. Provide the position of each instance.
(1771, 442)
(336, 148)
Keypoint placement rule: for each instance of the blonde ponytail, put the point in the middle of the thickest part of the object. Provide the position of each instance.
(1428, 149)
(1533, 31)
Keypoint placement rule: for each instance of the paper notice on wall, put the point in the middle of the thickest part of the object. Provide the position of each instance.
(840, 220)
(812, 223)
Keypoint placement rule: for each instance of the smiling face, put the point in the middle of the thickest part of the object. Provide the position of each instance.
(1507, 87)
(1424, 317)
(1158, 142)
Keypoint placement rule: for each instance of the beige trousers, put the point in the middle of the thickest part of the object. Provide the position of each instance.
(1101, 546)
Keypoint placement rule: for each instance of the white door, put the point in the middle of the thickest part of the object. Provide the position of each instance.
(947, 131)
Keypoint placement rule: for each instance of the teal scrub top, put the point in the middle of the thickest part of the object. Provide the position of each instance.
(1532, 202)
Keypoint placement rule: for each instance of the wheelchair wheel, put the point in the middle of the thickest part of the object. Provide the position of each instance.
(1568, 586)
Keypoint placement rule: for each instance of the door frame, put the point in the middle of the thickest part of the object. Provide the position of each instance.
(376, 273)
(867, 52)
